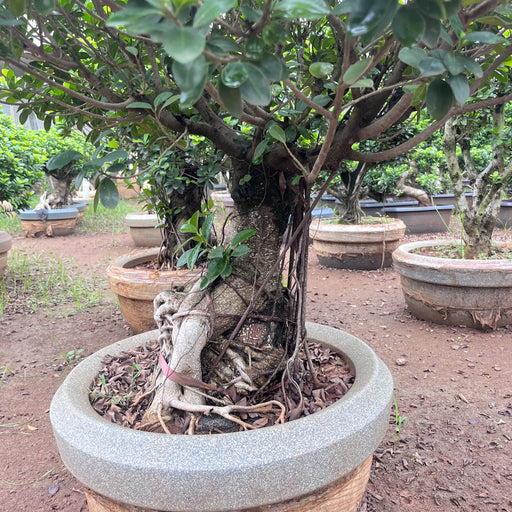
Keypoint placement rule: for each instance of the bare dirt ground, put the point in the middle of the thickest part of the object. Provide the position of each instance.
(453, 388)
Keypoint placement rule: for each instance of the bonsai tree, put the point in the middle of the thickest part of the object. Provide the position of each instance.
(20, 163)
(489, 184)
(285, 90)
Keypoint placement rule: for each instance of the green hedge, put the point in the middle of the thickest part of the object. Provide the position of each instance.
(22, 155)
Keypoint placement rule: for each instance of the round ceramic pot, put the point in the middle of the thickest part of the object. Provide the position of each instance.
(475, 293)
(5, 245)
(143, 229)
(356, 246)
(81, 206)
(57, 222)
(136, 286)
(319, 462)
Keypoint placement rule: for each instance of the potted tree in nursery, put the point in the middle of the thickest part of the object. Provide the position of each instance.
(467, 281)
(261, 83)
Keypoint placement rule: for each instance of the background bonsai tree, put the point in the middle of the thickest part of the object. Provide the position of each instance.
(285, 90)
(488, 183)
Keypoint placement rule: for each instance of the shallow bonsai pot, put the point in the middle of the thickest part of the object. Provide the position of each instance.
(81, 206)
(475, 293)
(371, 208)
(444, 199)
(136, 286)
(420, 220)
(56, 222)
(504, 219)
(356, 246)
(324, 455)
(143, 229)
(5, 245)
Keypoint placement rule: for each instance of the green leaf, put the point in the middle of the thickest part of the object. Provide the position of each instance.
(430, 8)
(109, 195)
(234, 74)
(62, 159)
(431, 67)
(191, 225)
(254, 48)
(218, 252)
(162, 97)
(321, 69)
(419, 95)
(365, 83)
(194, 256)
(44, 7)
(183, 259)
(140, 104)
(365, 15)
(484, 37)
(210, 10)
(204, 284)
(206, 227)
(472, 66)
(277, 133)
(460, 88)
(232, 99)
(242, 236)
(432, 32)
(132, 50)
(110, 157)
(255, 89)
(216, 267)
(183, 44)
(191, 79)
(240, 250)
(439, 98)
(303, 9)
(260, 150)
(16, 7)
(356, 71)
(271, 67)
(453, 63)
(408, 25)
(412, 56)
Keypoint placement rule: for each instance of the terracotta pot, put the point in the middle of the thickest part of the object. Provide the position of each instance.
(358, 247)
(5, 245)
(319, 462)
(420, 220)
(136, 286)
(143, 229)
(58, 222)
(475, 293)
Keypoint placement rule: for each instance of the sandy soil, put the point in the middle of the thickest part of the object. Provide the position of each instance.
(453, 388)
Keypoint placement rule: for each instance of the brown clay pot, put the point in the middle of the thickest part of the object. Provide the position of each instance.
(356, 246)
(137, 286)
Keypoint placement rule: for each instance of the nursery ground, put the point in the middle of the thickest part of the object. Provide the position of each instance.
(453, 389)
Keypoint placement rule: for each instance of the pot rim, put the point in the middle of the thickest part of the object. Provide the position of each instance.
(450, 271)
(227, 471)
(5, 241)
(141, 220)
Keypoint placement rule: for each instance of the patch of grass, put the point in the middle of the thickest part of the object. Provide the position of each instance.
(104, 220)
(35, 281)
(11, 224)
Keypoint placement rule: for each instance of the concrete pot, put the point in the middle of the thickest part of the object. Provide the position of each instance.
(57, 222)
(358, 247)
(136, 286)
(504, 219)
(320, 462)
(143, 229)
(420, 220)
(5, 245)
(475, 293)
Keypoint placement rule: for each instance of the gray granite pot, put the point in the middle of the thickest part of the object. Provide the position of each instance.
(143, 229)
(228, 471)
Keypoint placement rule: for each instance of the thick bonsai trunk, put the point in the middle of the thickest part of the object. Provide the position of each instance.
(60, 196)
(478, 222)
(195, 324)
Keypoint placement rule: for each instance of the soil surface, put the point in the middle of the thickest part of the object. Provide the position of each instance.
(453, 389)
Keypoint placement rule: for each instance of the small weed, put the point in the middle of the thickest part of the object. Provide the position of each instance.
(72, 357)
(5, 371)
(400, 421)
